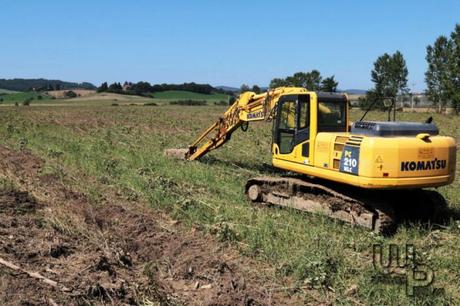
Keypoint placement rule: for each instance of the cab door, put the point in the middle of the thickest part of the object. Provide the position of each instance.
(284, 125)
(292, 126)
(302, 135)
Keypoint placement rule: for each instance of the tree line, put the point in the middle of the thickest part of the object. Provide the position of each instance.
(42, 85)
(146, 89)
(311, 80)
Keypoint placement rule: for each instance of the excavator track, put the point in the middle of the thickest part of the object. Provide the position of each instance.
(372, 210)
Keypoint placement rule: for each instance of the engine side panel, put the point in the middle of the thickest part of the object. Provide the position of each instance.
(378, 162)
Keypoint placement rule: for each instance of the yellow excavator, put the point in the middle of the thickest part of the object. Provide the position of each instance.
(359, 173)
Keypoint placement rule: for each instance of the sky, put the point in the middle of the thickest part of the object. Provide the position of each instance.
(217, 42)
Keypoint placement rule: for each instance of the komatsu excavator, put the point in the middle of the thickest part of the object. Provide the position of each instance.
(358, 173)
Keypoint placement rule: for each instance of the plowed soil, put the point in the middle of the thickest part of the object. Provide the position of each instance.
(111, 252)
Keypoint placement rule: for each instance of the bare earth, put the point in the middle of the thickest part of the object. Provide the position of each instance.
(111, 253)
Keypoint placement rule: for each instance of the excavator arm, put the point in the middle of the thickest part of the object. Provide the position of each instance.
(249, 106)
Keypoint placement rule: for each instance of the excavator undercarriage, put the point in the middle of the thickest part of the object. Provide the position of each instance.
(376, 210)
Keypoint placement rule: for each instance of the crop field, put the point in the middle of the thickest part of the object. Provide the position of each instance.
(101, 172)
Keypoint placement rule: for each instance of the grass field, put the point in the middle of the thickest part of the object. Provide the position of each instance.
(7, 91)
(187, 95)
(123, 147)
(20, 97)
(107, 99)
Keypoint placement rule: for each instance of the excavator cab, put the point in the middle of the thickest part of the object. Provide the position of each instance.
(300, 117)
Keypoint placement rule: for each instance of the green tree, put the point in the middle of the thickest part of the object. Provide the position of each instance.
(256, 89)
(329, 84)
(390, 75)
(244, 88)
(437, 77)
(454, 69)
(390, 79)
(27, 102)
(310, 80)
(313, 80)
(298, 79)
(103, 88)
(443, 74)
(278, 82)
(115, 88)
(70, 94)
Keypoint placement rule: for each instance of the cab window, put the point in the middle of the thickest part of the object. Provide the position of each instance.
(286, 126)
(304, 113)
(287, 120)
(331, 117)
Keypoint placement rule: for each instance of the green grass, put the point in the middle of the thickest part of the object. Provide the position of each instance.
(20, 97)
(123, 147)
(187, 95)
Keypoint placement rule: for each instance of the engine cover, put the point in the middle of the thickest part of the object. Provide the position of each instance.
(392, 129)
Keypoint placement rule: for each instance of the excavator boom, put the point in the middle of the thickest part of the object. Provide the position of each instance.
(248, 107)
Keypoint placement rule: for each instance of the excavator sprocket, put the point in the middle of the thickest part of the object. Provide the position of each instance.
(372, 210)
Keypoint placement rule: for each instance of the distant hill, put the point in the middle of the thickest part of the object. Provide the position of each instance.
(41, 84)
(227, 88)
(6, 91)
(354, 91)
(188, 95)
(236, 90)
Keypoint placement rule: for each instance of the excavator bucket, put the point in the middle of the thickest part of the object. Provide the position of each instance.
(177, 153)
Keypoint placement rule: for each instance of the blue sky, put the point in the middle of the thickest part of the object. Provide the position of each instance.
(216, 42)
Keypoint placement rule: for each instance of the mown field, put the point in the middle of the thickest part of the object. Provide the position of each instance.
(123, 147)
